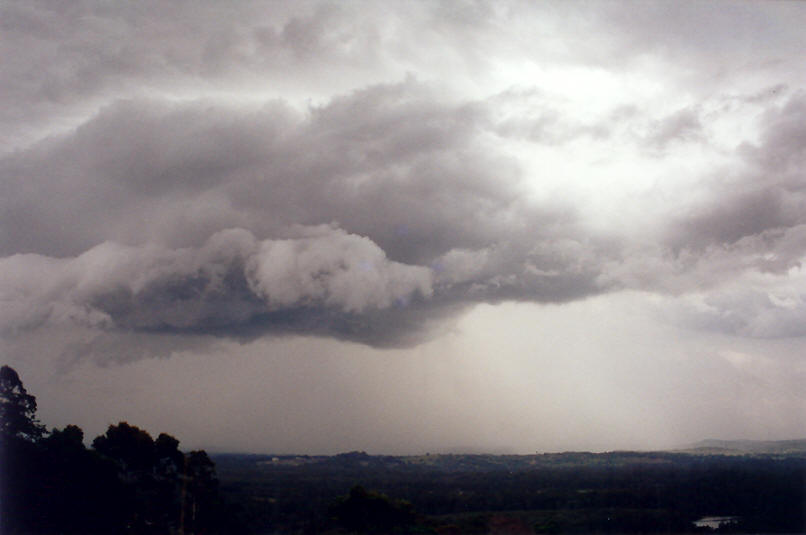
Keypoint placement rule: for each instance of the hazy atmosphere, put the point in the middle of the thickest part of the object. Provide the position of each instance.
(407, 227)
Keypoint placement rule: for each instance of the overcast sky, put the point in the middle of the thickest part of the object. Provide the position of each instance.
(404, 227)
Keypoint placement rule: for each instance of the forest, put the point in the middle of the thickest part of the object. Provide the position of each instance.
(130, 483)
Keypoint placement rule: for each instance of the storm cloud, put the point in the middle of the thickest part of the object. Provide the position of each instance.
(384, 206)
(202, 217)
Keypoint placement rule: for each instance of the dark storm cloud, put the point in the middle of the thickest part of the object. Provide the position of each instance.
(365, 219)
(374, 215)
(374, 218)
(232, 281)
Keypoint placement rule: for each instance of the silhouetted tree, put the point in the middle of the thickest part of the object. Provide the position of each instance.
(151, 492)
(169, 459)
(129, 446)
(167, 490)
(82, 491)
(167, 485)
(68, 440)
(128, 483)
(20, 456)
(202, 507)
(17, 408)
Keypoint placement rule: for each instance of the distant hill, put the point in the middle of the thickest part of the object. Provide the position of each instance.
(749, 446)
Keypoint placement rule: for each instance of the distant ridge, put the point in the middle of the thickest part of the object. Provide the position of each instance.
(751, 446)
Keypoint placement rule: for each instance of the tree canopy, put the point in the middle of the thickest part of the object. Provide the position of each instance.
(50, 482)
(17, 408)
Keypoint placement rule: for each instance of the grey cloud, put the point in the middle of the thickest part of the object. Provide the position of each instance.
(88, 52)
(423, 209)
(713, 40)
(736, 216)
(536, 117)
(554, 270)
(682, 125)
(741, 246)
(125, 220)
(230, 282)
(762, 203)
(765, 95)
(657, 267)
(761, 199)
(336, 269)
(152, 286)
(549, 128)
(755, 312)
(429, 217)
(323, 282)
(531, 114)
(391, 162)
(780, 156)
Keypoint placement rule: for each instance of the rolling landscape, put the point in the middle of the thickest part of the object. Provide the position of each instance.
(572, 492)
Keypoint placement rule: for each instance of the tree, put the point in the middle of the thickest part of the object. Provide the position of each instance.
(80, 491)
(128, 483)
(169, 459)
(20, 481)
(168, 491)
(202, 507)
(366, 511)
(17, 408)
(128, 445)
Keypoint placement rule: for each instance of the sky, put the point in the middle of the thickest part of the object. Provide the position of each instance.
(407, 227)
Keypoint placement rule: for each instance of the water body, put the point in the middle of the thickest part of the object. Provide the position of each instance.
(714, 522)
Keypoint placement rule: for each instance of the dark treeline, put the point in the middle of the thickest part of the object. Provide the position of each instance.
(127, 482)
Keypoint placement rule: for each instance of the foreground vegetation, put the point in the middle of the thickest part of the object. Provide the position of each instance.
(130, 483)
(126, 483)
